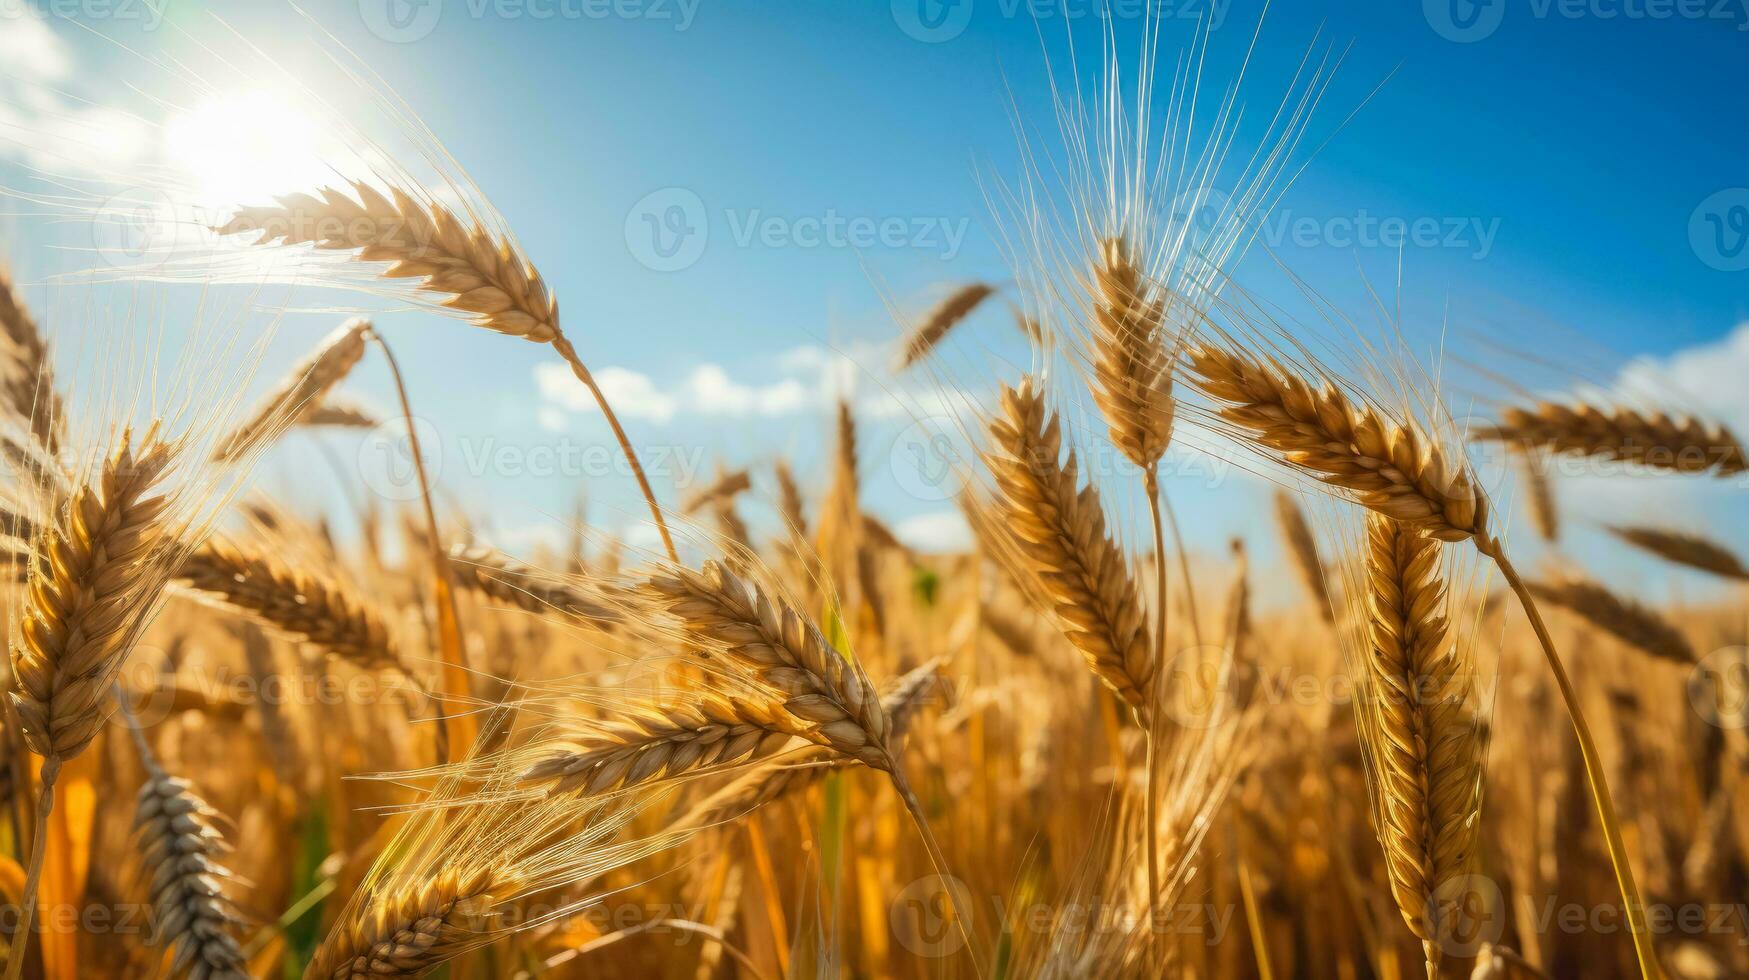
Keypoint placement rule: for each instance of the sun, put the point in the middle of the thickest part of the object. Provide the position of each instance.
(242, 148)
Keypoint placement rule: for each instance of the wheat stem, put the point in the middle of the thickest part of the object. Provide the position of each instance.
(45, 804)
(1600, 798)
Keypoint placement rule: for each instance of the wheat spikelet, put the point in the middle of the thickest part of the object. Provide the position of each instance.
(90, 588)
(785, 652)
(1061, 531)
(929, 331)
(662, 741)
(790, 505)
(412, 928)
(1302, 547)
(805, 767)
(339, 415)
(293, 601)
(1131, 370)
(28, 388)
(1683, 549)
(1418, 728)
(509, 581)
(1390, 467)
(300, 394)
(1543, 515)
(478, 274)
(727, 486)
(1679, 443)
(1624, 619)
(180, 848)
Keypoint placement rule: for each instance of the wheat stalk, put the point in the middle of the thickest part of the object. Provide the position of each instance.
(28, 389)
(1621, 618)
(1419, 727)
(934, 326)
(663, 741)
(1132, 373)
(1386, 465)
(340, 415)
(300, 394)
(1060, 528)
(94, 581)
(180, 848)
(1679, 443)
(1302, 548)
(1692, 550)
(293, 601)
(785, 652)
(796, 771)
(482, 276)
(1543, 515)
(509, 581)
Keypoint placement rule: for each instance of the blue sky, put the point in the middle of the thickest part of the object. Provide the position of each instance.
(1574, 161)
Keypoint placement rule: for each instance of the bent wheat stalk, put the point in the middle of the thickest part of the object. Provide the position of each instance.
(1393, 468)
(481, 276)
(93, 584)
(299, 396)
(1678, 443)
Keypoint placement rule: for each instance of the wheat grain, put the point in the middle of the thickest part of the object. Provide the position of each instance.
(934, 326)
(293, 601)
(90, 589)
(1060, 528)
(1387, 466)
(1680, 443)
(1131, 370)
(1624, 619)
(784, 651)
(1302, 548)
(1680, 548)
(300, 394)
(180, 848)
(1419, 727)
(663, 741)
(509, 581)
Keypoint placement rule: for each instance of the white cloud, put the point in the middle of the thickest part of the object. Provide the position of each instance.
(42, 126)
(28, 48)
(941, 531)
(1709, 377)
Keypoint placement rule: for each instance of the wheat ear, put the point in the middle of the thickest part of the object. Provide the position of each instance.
(1060, 528)
(1392, 468)
(28, 388)
(412, 927)
(1419, 727)
(805, 767)
(1543, 515)
(1132, 373)
(293, 601)
(509, 581)
(1621, 618)
(726, 487)
(1679, 443)
(300, 394)
(92, 586)
(180, 850)
(784, 651)
(663, 741)
(1684, 549)
(1388, 466)
(339, 415)
(934, 326)
(481, 275)
(1302, 548)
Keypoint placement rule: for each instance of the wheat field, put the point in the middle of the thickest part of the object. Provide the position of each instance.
(240, 743)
